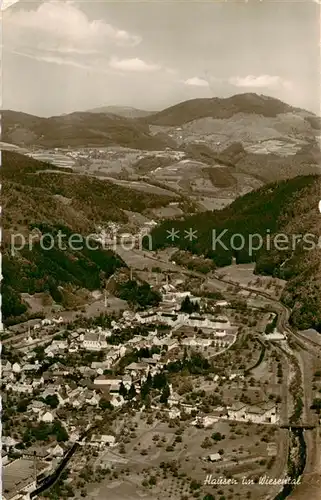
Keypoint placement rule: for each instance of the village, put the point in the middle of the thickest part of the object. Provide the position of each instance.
(174, 362)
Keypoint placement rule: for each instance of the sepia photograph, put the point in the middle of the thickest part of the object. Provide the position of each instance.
(160, 254)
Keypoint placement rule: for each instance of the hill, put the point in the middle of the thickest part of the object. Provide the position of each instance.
(78, 129)
(125, 111)
(287, 207)
(38, 196)
(221, 108)
(54, 195)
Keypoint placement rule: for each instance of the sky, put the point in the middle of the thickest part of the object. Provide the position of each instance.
(63, 56)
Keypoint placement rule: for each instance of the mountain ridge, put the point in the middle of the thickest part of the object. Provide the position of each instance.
(217, 107)
(287, 207)
(125, 111)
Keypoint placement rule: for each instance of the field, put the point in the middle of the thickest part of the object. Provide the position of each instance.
(163, 460)
(244, 275)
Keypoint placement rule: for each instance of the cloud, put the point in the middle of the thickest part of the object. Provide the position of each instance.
(52, 59)
(136, 65)
(5, 4)
(61, 27)
(262, 81)
(196, 82)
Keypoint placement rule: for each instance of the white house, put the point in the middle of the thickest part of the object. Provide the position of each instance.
(197, 342)
(103, 440)
(46, 417)
(94, 342)
(262, 413)
(237, 411)
(107, 380)
(57, 451)
(21, 388)
(215, 457)
(16, 368)
(59, 344)
(109, 440)
(117, 400)
(37, 406)
(257, 414)
(146, 317)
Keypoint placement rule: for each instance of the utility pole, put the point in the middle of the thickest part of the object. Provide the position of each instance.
(131, 274)
(35, 466)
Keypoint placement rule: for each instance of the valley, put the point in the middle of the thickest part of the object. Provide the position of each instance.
(138, 358)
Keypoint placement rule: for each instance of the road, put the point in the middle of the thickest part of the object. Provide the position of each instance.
(312, 472)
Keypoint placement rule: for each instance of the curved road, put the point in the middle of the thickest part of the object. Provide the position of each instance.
(311, 479)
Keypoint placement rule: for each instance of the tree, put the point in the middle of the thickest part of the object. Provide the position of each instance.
(122, 390)
(217, 436)
(105, 404)
(165, 394)
(206, 443)
(132, 392)
(188, 306)
(59, 431)
(52, 400)
(22, 405)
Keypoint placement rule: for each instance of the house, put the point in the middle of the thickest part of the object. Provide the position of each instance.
(18, 478)
(38, 451)
(59, 369)
(103, 440)
(46, 417)
(114, 388)
(51, 350)
(60, 345)
(6, 367)
(257, 414)
(4, 458)
(37, 406)
(107, 380)
(30, 368)
(147, 317)
(109, 440)
(45, 322)
(73, 347)
(171, 318)
(56, 390)
(8, 442)
(206, 421)
(94, 342)
(127, 381)
(219, 332)
(237, 411)
(214, 457)
(149, 361)
(174, 413)
(91, 398)
(57, 451)
(21, 388)
(74, 436)
(16, 368)
(197, 342)
(117, 400)
(262, 413)
(137, 369)
(222, 303)
(174, 399)
(58, 321)
(86, 371)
